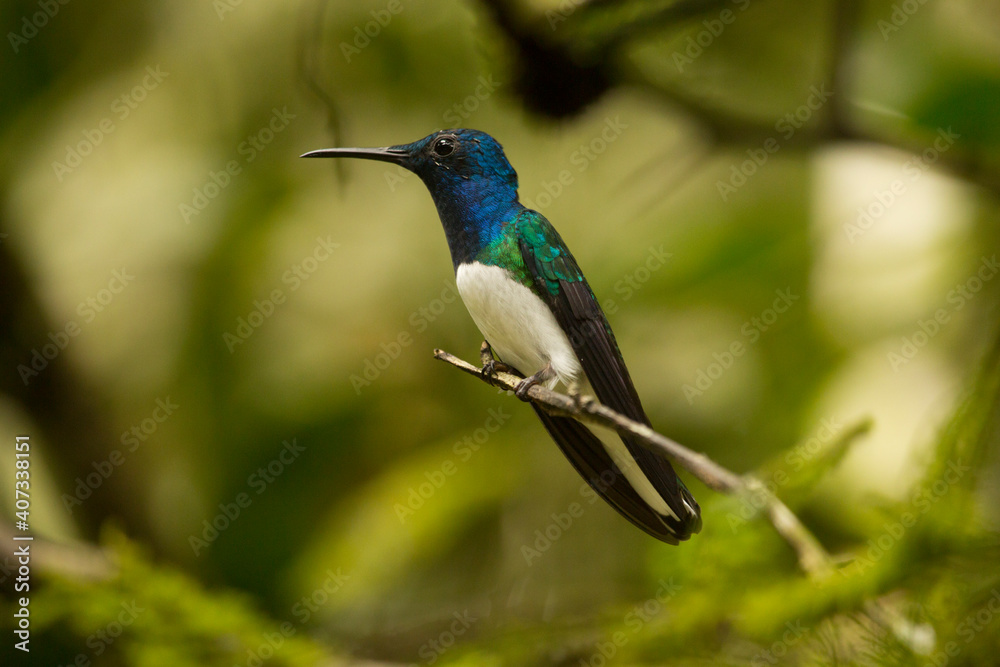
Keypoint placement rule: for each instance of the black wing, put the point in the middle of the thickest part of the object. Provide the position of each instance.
(560, 283)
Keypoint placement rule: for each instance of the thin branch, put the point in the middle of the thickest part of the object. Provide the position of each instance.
(813, 558)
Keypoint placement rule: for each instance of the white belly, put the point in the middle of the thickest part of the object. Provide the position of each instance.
(524, 333)
(518, 325)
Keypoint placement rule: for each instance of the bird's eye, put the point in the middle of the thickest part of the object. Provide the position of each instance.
(444, 146)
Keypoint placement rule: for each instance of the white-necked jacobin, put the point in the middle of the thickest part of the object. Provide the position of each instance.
(530, 300)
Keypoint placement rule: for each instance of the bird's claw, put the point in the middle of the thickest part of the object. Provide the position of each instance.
(523, 386)
(493, 366)
(527, 383)
(490, 364)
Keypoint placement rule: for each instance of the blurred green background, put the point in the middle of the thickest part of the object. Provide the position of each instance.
(243, 452)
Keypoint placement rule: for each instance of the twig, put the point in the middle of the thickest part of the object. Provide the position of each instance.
(813, 558)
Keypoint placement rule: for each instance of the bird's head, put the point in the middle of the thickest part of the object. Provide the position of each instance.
(473, 185)
(443, 160)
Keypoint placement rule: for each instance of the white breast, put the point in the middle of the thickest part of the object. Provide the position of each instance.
(524, 333)
(518, 325)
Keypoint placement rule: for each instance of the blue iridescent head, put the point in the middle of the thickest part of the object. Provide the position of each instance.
(472, 183)
(447, 156)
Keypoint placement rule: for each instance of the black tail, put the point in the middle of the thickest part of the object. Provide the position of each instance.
(587, 454)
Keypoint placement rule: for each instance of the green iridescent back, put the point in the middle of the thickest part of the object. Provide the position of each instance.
(552, 259)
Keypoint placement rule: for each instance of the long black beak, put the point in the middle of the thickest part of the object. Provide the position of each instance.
(395, 155)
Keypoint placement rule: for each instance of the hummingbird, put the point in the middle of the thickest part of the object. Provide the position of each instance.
(529, 298)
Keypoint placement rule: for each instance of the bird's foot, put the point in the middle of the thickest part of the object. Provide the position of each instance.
(573, 390)
(492, 367)
(527, 383)
(490, 364)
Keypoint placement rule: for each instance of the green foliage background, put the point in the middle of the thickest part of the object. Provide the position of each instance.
(322, 566)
